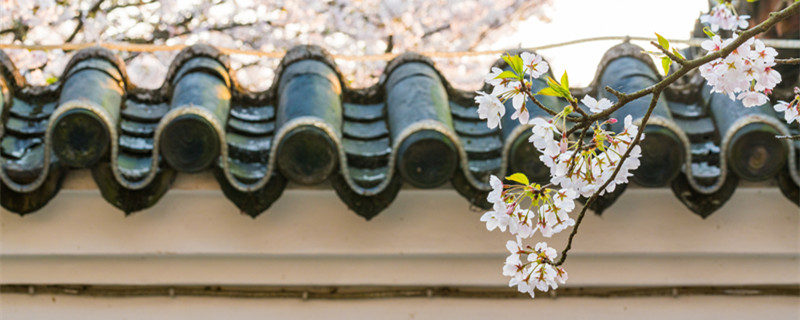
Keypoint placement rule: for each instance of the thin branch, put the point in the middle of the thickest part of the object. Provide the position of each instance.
(527, 92)
(794, 137)
(80, 17)
(578, 149)
(656, 90)
(435, 31)
(788, 61)
(679, 60)
(125, 5)
(389, 44)
(653, 103)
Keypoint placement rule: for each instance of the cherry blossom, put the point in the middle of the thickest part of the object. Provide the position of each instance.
(532, 268)
(596, 106)
(534, 63)
(752, 98)
(745, 74)
(721, 17)
(791, 110)
(490, 108)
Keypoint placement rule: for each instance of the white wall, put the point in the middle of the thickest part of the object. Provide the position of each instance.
(309, 237)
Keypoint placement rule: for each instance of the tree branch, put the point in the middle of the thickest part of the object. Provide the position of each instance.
(788, 61)
(656, 90)
(80, 17)
(666, 52)
(653, 103)
(794, 137)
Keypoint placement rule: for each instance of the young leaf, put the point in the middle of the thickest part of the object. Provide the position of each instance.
(515, 62)
(665, 63)
(507, 59)
(677, 53)
(565, 81)
(557, 88)
(548, 92)
(662, 42)
(507, 74)
(519, 177)
(708, 32)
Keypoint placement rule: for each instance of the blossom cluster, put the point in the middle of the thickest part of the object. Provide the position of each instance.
(529, 207)
(578, 167)
(586, 168)
(344, 27)
(791, 109)
(747, 73)
(722, 17)
(748, 70)
(508, 85)
(533, 268)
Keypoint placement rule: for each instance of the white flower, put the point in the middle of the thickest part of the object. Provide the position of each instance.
(596, 106)
(561, 275)
(543, 137)
(498, 218)
(522, 223)
(534, 64)
(752, 98)
(713, 45)
(512, 266)
(490, 108)
(768, 78)
(497, 189)
(565, 199)
(491, 78)
(791, 112)
(557, 219)
(762, 53)
(544, 276)
(521, 112)
(495, 219)
(549, 252)
(721, 17)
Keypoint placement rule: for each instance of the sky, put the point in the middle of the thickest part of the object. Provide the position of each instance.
(575, 19)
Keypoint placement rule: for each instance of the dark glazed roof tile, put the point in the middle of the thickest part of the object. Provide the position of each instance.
(411, 127)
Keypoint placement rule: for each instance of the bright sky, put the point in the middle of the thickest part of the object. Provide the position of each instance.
(575, 19)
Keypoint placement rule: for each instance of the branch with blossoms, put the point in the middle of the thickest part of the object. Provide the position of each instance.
(599, 160)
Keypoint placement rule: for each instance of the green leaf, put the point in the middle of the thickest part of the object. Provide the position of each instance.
(507, 74)
(507, 59)
(515, 62)
(665, 63)
(548, 92)
(565, 81)
(558, 88)
(677, 53)
(708, 32)
(51, 80)
(519, 177)
(662, 42)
